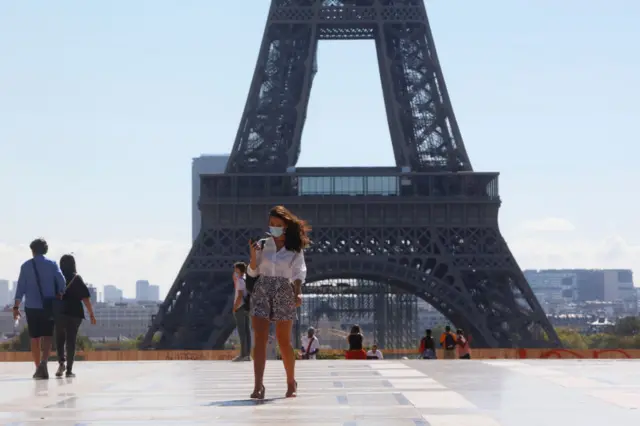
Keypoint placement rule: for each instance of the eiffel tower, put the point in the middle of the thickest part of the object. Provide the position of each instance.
(428, 226)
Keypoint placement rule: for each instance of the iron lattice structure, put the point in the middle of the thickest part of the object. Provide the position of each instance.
(428, 226)
(387, 315)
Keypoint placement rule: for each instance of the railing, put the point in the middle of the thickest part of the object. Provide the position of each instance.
(377, 183)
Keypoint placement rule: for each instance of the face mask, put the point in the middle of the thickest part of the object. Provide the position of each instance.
(276, 231)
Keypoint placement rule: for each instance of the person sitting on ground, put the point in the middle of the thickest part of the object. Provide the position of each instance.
(374, 353)
(427, 346)
(355, 340)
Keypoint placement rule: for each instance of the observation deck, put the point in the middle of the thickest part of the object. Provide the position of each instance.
(380, 183)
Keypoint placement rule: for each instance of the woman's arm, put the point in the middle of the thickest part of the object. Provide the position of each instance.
(89, 306)
(298, 272)
(255, 251)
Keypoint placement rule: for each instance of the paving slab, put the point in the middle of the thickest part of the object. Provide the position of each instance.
(331, 393)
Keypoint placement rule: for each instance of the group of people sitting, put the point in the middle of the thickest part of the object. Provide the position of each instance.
(355, 339)
(311, 346)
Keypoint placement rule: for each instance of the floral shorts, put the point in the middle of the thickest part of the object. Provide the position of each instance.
(273, 298)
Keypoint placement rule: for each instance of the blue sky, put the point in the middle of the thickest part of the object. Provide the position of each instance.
(103, 105)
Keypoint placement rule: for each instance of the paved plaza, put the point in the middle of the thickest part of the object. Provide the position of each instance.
(331, 393)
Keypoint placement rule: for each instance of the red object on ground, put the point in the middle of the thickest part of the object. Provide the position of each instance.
(361, 354)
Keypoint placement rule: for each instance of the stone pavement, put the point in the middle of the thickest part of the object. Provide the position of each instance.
(331, 393)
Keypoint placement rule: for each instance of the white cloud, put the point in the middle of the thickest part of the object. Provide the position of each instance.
(550, 224)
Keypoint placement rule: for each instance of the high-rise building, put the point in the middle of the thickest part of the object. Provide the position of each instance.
(154, 293)
(203, 165)
(5, 297)
(112, 294)
(93, 294)
(142, 290)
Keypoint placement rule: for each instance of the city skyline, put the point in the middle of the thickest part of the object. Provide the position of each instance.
(86, 83)
(109, 293)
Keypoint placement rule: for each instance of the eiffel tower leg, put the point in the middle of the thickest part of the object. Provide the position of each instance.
(271, 127)
(423, 128)
(196, 313)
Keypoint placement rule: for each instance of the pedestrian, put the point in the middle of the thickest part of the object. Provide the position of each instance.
(68, 323)
(41, 284)
(277, 264)
(241, 311)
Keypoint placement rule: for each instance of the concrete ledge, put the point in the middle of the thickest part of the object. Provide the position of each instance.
(229, 354)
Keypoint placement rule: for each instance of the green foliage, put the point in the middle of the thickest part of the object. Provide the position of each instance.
(22, 343)
(571, 339)
(628, 326)
(624, 335)
(324, 355)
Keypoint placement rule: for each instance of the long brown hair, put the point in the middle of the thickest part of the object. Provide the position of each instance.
(295, 238)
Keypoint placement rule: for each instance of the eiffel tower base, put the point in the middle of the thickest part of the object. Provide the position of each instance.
(444, 247)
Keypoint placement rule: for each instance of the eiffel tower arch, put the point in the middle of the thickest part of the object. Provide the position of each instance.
(428, 226)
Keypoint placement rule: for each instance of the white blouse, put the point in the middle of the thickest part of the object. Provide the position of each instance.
(279, 263)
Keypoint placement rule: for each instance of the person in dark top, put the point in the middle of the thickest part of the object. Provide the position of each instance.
(67, 324)
(355, 339)
(428, 346)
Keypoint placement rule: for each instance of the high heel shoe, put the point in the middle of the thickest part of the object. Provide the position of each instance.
(292, 392)
(258, 394)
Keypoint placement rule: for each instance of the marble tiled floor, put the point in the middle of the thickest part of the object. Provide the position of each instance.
(331, 393)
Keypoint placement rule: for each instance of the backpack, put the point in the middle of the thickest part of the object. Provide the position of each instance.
(449, 341)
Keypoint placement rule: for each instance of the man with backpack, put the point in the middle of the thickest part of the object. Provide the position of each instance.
(448, 343)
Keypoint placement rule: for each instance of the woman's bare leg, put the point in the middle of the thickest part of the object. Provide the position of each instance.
(260, 339)
(283, 335)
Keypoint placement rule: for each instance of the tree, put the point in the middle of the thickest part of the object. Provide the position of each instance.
(571, 339)
(627, 326)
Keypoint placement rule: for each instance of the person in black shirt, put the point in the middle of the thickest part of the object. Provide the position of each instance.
(68, 322)
(428, 346)
(355, 339)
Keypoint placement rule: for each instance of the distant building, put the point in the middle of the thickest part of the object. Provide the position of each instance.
(112, 294)
(154, 293)
(203, 165)
(119, 320)
(142, 290)
(93, 292)
(554, 287)
(5, 295)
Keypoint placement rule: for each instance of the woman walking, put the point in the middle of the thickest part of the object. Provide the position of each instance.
(278, 262)
(68, 322)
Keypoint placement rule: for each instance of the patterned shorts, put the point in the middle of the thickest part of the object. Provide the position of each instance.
(273, 298)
